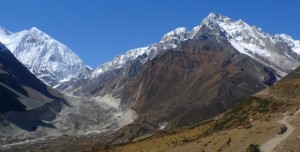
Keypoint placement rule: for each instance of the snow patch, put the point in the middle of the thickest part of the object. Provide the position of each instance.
(162, 125)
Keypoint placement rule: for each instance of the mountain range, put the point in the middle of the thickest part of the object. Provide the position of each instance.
(213, 66)
(186, 78)
(55, 64)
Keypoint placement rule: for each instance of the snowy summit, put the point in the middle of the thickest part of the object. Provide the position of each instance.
(50, 60)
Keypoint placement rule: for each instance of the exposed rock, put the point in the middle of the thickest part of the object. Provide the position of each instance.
(282, 129)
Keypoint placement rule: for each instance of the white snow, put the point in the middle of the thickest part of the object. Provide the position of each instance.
(178, 34)
(255, 43)
(162, 125)
(239, 47)
(43, 56)
(296, 48)
(169, 41)
(294, 44)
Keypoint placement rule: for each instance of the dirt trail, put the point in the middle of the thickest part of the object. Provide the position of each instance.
(272, 143)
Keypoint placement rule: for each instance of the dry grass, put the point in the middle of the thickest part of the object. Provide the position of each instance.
(191, 140)
(165, 141)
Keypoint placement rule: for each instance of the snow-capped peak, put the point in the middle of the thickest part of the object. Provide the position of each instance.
(255, 43)
(120, 60)
(50, 60)
(35, 32)
(35, 29)
(169, 41)
(175, 36)
(211, 21)
(214, 17)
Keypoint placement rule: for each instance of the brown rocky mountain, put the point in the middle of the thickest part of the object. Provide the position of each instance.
(198, 80)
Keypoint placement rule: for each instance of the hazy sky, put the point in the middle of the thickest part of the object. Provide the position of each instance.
(98, 30)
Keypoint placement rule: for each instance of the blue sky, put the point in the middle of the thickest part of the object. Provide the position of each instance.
(98, 30)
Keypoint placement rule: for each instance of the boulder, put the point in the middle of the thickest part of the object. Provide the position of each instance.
(282, 129)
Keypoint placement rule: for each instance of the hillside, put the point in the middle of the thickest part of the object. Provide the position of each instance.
(256, 120)
(26, 103)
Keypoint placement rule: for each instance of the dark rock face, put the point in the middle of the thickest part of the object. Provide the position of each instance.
(13, 103)
(200, 79)
(29, 120)
(24, 100)
(14, 71)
